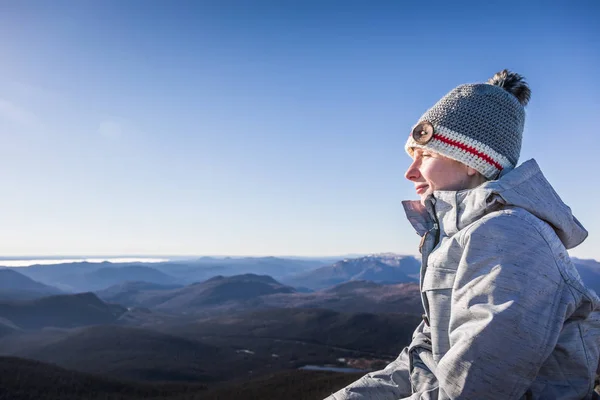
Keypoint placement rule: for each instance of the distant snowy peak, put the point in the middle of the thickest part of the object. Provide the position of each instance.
(379, 268)
(389, 259)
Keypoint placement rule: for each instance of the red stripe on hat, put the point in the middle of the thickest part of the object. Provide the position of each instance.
(470, 149)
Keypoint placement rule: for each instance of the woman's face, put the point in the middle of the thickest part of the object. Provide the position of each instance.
(431, 171)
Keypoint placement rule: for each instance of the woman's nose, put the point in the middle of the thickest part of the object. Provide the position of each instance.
(412, 173)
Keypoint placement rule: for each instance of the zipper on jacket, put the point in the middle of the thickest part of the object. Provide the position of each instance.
(428, 243)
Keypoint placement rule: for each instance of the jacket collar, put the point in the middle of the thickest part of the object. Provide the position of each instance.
(452, 210)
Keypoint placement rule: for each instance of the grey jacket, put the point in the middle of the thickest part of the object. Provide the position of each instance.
(506, 314)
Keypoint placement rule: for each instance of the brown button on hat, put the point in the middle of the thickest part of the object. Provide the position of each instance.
(423, 132)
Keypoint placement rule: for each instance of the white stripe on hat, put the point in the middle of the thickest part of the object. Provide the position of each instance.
(464, 149)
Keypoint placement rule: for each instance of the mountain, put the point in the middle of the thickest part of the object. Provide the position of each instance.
(133, 293)
(379, 334)
(104, 277)
(16, 286)
(60, 311)
(383, 268)
(7, 327)
(377, 298)
(589, 270)
(239, 291)
(233, 292)
(352, 287)
(354, 296)
(68, 277)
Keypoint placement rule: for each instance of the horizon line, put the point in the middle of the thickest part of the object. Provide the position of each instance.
(180, 256)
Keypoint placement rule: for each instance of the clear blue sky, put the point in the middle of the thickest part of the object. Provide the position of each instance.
(266, 127)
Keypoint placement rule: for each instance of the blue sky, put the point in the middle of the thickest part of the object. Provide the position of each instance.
(266, 127)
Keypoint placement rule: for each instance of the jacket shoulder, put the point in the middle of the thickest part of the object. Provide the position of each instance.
(516, 237)
(509, 224)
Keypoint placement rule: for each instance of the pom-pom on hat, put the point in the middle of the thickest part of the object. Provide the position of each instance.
(480, 124)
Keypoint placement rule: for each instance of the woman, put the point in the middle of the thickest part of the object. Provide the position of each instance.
(506, 314)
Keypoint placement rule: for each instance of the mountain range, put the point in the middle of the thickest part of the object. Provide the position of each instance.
(222, 329)
(90, 276)
(219, 348)
(247, 292)
(303, 275)
(218, 292)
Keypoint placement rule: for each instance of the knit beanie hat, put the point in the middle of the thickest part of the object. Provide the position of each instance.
(480, 124)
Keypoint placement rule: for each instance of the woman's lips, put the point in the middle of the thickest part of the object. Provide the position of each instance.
(421, 189)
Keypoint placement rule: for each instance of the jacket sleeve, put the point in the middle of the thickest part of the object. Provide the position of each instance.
(394, 381)
(390, 383)
(507, 310)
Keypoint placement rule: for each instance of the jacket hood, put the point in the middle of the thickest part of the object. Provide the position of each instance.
(524, 187)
